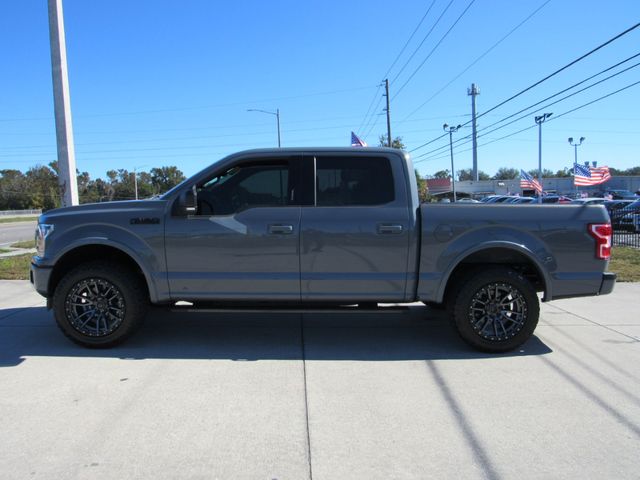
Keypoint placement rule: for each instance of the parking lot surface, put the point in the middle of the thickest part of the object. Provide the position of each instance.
(362, 395)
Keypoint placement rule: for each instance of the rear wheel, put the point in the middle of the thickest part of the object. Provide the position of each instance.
(496, 310)
(99, 305)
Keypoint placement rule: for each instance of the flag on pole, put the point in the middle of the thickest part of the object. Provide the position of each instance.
(585, 176)
(356, 142)
(527, 181)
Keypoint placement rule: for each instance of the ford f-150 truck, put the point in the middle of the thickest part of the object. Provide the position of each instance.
(316, 227)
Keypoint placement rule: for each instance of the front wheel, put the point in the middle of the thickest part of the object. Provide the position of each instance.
(99, 305)
(496, 310)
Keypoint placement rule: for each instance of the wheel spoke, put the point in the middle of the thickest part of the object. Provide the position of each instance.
(95, 307)
(497, 311)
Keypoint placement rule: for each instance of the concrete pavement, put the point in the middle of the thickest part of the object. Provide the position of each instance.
(324, 396)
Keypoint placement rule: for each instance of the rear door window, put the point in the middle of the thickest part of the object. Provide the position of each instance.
(353, 181)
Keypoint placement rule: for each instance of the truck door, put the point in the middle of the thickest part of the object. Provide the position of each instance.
(355, 239)
(243, 241)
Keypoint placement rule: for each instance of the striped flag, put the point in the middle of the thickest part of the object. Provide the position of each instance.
(356, 142)
(585, 176)
(528, 182)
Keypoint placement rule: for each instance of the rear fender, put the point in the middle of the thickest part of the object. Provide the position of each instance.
(515, 240)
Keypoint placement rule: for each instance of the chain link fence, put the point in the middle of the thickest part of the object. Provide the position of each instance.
(18, 213)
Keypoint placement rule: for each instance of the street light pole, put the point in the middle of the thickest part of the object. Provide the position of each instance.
(451, 130)
(135, 178)
(575, 156)
(276, 113)
(540, 119)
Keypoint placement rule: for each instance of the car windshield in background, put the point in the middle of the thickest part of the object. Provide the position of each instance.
(633, 206)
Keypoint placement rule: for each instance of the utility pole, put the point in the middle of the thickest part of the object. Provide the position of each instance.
(386, 88)
(540, 120)
(451, 130)
(67, 180)
(473, 91)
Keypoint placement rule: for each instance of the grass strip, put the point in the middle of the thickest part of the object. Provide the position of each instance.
(15, 268)
(17, 219)
(625, 261)
(24, 244)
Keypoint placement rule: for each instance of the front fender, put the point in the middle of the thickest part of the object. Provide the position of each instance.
(146, 250)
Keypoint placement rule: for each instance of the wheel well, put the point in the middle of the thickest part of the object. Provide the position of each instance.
(497, 256)
(88, 253)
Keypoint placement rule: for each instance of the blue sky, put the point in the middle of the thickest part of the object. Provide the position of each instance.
(168, 83)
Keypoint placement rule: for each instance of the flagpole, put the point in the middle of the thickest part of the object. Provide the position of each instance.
(575, 158)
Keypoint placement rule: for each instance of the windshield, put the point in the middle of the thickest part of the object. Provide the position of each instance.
(632, 206)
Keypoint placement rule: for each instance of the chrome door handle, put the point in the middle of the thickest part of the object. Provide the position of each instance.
(387, 229)
(281, 229)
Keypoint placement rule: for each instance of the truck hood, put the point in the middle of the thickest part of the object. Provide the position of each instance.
(106, 209)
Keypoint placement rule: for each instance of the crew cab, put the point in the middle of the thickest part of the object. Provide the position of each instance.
(316, 227)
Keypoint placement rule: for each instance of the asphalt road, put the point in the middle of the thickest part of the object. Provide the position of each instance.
(323, 396)
(15, 232)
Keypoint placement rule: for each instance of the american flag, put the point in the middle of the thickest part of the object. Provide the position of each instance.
(584, 176)
(356, 142)
(527, 181)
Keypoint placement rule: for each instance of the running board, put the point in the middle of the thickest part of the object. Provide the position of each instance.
(352, 309)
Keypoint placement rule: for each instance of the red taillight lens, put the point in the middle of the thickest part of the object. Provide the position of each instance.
(602, 233)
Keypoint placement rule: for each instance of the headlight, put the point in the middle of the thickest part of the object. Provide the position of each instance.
(42, 232)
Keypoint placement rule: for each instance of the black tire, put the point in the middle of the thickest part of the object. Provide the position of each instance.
(99, 305)
(496, 309)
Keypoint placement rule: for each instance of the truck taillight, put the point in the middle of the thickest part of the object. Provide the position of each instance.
(602, 233)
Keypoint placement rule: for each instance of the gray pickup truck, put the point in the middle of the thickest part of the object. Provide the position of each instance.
(316, 227)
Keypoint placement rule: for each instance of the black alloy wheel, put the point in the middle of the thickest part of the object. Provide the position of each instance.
(100, 304)
(496, 309)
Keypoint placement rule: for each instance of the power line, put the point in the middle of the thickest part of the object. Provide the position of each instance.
(198, 107)
(616, 37)
(386, 75)
(434, 48)
(573, 86)
(429, 142)
(366, 115)
(486, 52)
(562, 69)
(555, 117)
(422, 42)
(555, 102)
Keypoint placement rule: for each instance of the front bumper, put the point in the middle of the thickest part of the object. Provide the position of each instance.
(39, 276)
(608, 281)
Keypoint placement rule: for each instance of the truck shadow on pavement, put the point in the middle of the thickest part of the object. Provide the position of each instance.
(413, 333)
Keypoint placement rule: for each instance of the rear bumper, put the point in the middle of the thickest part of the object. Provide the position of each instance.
(570, 285)
(608, 281)
(39, 276)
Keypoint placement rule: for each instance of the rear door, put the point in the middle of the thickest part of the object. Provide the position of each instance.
(355, 237)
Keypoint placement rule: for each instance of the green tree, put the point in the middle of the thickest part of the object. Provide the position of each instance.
(395, 143)
(422, 187)
(442, 174)
(505, 173)
(13, 192)
(42, 185)
(165, 178)
(467, 174)
(546, 173)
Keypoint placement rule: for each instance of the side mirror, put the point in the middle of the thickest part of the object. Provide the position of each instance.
(186, 203)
